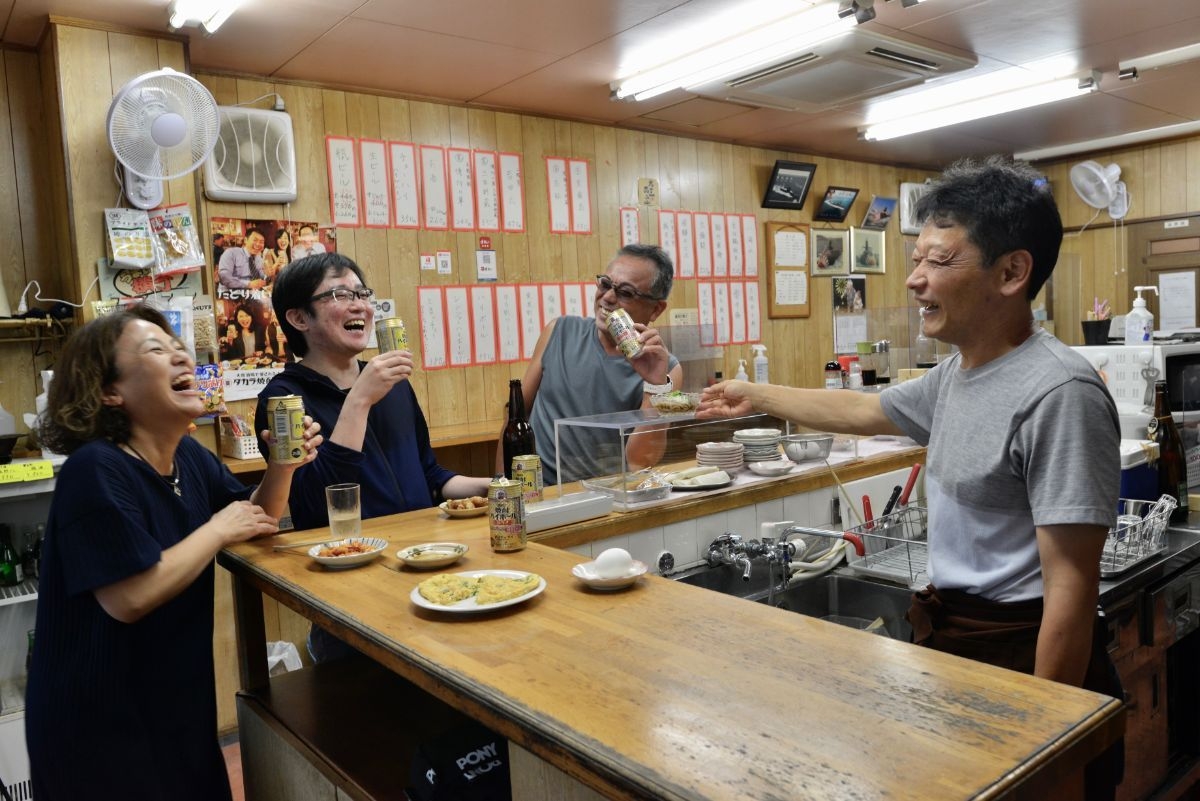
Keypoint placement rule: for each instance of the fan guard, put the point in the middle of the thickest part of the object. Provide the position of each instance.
(162, 124)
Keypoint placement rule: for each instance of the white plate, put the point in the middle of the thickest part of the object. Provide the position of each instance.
(744, 434)
(429, 555)
(476, 512)
(586, 572)
(351, 560)
(776, 468)
(469, 606)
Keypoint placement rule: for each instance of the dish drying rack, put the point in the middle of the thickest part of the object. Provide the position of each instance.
(1140, 534)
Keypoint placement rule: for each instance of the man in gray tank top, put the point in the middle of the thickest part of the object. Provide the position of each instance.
(1023, 462)
(577, 369)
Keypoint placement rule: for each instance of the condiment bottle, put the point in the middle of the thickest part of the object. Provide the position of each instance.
(1172, 464)
(517, 439)
(854, 376)
(833, 375)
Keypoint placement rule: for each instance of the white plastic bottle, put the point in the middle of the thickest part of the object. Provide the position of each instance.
(1139, 322)
(39, 403)
(760, 364)
(8, 424)
(741, 373)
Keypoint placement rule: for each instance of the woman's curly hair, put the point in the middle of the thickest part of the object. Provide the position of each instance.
(75, 411)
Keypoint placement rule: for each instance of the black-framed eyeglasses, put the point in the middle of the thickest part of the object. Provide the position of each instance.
(342, 294)
(625, 292)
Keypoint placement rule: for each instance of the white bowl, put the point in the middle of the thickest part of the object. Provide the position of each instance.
(429, 555)
(586, 572)
(375, 547)
(779, 467)
(476, 512)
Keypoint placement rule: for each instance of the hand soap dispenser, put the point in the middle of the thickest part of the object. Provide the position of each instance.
(1139, 322)
(741, 373)
(760, 364)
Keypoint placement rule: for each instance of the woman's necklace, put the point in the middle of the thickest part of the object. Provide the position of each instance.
(172, 480)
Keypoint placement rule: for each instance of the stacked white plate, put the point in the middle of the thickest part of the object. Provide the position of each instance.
(725, 455)
(761, 444)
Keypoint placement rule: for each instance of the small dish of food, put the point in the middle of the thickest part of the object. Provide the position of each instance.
(675, 402)
(614, 569)
(429, 555)
(465, 507)
(350, 552)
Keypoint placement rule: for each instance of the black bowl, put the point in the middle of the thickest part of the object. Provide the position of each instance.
(7, 441)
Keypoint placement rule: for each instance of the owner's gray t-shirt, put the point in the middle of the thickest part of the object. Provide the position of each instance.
(1031, 438)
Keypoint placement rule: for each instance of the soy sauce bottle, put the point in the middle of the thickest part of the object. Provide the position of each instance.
(1172, 464)
(518, 438)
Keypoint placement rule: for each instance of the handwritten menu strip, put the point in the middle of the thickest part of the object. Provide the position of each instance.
(531, 317)
(552, 302)
(750, 243)
(704, 305)
(737, 312)
(685, 267)
(406, 197)
(704, 267)
(27, 471)
(376, 194)
(433, 327)
(720, 249)
(508, 320)
(733, 226)
(343, 182)
(631, 229)
(458, 319)
(573, 305)
(462, 190)
(487, 190)
(589, 298)
(666, 236)
(721, 311)
(483, 324)
(581, 197)
(753, 313)
(433, 175)
(512, 192)
(558, 195)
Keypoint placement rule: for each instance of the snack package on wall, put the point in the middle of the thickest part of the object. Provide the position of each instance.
(129, 238)
(204, 324)
(176, 243)
(211, 382)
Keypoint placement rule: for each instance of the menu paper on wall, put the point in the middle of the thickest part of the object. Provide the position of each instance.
(666, 236)
(737, 312)
(704, 305)
(581, 197)
(508, 323)
(26, 471)
(631, 229)
(433, 188)
(458, 325)
(848, 331)
(721, 311)
(703, 245)
(512, 192)
(552, 302)
(343, 182)
(573, 300)
(720, 252)
(750, 243)
(733, 227)
(558, 195)
(376, 189)
(406, 197)
(483, 324)
(462, 190)
(1176, 301)
(791, 249)
(487, 190)
(753, 313)
(530, 299)
(791, 287)
(433, 327)
(589, 298)
(685, 267)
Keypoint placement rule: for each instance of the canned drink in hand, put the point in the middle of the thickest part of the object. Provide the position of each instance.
(390, 334)
(620, 326)
(285, 414)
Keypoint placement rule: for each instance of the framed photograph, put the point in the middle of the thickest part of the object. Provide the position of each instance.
(909, 195)
(879, 213)
(830, 250)
(866, 251)
(849, 294)
(836, 203)
(787, 188)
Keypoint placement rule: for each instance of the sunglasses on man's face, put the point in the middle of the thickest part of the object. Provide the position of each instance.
(625, 292)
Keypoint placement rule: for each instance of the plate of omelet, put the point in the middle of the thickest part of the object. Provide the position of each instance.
(476, 590)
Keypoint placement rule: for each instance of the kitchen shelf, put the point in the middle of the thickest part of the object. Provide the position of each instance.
(27, 590)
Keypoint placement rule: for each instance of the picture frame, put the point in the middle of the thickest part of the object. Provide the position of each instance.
(879, 213)
(830, 252)
(867, 254)
(836, 203)
(849, 295)
(788, 186)
(910, 193)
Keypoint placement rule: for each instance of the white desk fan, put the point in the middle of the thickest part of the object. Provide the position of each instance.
(161, 126)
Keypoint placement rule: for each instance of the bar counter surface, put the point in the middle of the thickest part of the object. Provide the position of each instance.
(667, 691)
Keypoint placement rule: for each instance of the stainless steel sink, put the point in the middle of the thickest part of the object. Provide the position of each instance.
(841, 597)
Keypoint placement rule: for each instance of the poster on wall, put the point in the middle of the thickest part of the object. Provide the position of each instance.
(249, 255)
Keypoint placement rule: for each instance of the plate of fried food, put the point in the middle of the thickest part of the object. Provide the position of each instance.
(350, 552)
(429, 555)
(465, 507)
(476, 590)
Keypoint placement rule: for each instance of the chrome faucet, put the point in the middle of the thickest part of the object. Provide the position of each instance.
(731, 549)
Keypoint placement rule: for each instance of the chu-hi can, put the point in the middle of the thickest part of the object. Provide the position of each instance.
(620, 325)
(390, 334)
(528, 470)
(506, 510)
(286, 420)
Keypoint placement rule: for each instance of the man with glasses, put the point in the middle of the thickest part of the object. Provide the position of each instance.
(577, 368)
(377, 435)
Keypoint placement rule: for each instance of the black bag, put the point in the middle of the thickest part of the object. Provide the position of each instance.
(467, 763)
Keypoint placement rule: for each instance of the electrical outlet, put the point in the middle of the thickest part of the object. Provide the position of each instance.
(1176, 224)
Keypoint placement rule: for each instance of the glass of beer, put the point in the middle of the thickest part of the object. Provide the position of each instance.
(345, 510)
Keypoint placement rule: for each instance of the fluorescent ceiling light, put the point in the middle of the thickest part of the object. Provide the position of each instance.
(758, 43)
(209, 13)
(1110, 142)
(1166, 58)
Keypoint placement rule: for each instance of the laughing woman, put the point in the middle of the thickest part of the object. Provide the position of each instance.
(122, 698)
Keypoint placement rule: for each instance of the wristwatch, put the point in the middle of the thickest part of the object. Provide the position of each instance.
(658, 389)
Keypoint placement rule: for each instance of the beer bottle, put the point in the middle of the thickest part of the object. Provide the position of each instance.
(10, 563)
(1172, 464)
(518, 434)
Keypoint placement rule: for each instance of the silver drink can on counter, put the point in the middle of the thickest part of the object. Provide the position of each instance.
(390, 334)
(506, 512)
(286, 421)
(620, 325)
(528, 470)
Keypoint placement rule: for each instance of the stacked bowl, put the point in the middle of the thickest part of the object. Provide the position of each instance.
(760, 444)
(725, 455)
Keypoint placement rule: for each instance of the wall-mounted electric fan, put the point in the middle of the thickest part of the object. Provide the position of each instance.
(255, 157)
(161, 125)
(1101, 187)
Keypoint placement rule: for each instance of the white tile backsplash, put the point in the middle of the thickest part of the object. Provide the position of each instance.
(645, 546)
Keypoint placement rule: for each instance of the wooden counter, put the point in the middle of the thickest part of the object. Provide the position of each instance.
(668, 691)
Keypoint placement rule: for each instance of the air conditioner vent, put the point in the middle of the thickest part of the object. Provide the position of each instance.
(255, 157)
(903, 58)
(751, 77)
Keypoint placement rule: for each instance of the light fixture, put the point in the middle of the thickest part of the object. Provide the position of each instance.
(210, 14)
(1165, 58)
(861, 10)
(1111, 142)
(975, 98)
(717, 53)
